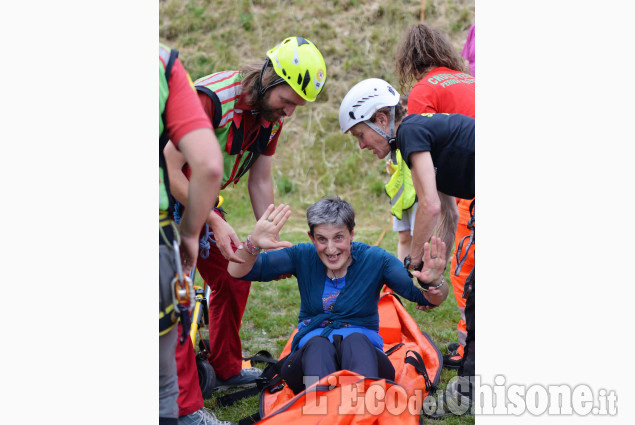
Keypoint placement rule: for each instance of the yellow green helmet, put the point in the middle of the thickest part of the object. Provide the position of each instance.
(300, 64)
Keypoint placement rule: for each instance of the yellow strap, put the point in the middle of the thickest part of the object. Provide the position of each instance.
(168, 310)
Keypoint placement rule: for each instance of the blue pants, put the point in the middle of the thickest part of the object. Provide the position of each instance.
(319, 358)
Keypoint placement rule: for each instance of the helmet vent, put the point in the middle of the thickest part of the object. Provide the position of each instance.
(363, 100)
(301, 41)
(305, 81)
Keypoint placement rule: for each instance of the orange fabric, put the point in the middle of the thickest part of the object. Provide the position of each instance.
(351, 401)
(458, 282)
(395, 326)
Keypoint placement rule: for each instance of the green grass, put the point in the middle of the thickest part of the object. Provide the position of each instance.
(313, 159)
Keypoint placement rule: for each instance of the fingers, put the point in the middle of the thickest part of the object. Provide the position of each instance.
(433, 247)
(267, 213)
(437, 248)
(424, 307)
(234, 238)
(282, 244)
(434, 252)
(282, 218)
(278, 214)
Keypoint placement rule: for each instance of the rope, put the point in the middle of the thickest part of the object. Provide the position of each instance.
(204, 243)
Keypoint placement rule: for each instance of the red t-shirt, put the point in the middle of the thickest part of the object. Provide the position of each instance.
(183, 113)
(449, 91)
(443, 90)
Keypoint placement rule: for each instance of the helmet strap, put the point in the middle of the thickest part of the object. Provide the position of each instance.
(392, 142)
(262, 91)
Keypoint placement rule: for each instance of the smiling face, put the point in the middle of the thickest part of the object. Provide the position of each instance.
(370, 139)
(333, 245)
(280, 101)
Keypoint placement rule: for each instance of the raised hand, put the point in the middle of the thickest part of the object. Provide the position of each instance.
(433, 261)
(267, 229)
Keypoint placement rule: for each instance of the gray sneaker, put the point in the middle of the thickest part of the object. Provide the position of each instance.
(203, 416)
(246, 378)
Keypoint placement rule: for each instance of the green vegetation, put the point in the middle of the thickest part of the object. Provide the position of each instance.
(358, 40)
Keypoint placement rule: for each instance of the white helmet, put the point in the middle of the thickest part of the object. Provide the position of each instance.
(366, 97)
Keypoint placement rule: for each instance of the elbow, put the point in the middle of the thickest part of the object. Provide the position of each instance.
(210, 169)
(234, 271)
(431, 208)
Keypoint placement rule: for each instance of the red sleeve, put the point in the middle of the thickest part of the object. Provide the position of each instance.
(208, 105)
(183, 111)
(273, 142)
(421, 99)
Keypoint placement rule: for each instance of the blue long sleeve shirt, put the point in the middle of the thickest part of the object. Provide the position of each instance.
(356, 305)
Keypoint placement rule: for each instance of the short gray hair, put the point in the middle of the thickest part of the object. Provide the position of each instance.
(334, 211)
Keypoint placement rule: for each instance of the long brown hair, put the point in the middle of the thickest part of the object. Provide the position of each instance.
(251, 74)
(423, 48)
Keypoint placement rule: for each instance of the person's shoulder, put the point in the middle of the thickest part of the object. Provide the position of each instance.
(361, 248)
(410, 120)
(216, 77)
(304, 248)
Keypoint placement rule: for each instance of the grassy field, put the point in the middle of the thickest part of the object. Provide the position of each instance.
(313, 159)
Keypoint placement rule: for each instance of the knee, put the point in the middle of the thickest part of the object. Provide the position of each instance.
(404, 237)
(320, 343)
(356, 340)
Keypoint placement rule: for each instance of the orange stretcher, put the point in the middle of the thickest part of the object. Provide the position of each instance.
(347, 398)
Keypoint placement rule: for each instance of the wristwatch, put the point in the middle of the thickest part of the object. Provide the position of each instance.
(409, 266)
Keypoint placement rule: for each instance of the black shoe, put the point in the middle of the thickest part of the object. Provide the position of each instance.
(452, 361)
(452, 347)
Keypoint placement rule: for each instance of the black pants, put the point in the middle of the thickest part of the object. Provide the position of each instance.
(467, 368)
(319, 358)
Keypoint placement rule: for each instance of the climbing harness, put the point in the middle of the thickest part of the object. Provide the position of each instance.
(470, 225)
(183, 294)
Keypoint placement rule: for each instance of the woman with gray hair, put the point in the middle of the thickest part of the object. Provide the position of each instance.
(339, 282)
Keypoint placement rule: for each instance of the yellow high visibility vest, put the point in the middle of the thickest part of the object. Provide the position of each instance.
(400, 188)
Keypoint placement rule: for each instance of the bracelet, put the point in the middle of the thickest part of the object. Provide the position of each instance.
(251, 248)
(425, 287)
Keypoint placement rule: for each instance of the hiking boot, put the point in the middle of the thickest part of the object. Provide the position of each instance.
(452, 361)
(454, 358)
(246, 378)
(202, 416)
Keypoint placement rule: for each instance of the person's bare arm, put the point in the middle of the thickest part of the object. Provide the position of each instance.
(424, 180)
(202, 152)
(448, 220)
(224, 234)
(260, 186)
